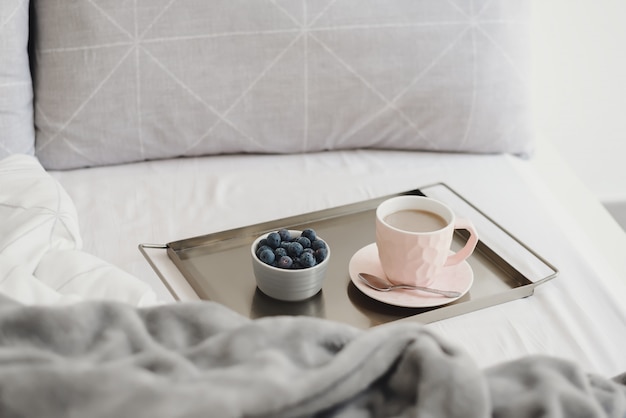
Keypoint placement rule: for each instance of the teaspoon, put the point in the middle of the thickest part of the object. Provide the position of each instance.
(378, 283)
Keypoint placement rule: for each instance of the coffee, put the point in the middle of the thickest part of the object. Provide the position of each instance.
(414, 236)
(415, 220)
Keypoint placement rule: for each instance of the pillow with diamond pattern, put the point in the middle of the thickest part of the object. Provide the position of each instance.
(119, 81)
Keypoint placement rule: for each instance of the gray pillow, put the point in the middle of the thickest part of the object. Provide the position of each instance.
(16, 92)
(121, 81)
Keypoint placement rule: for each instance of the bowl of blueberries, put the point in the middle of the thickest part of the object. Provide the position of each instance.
(290, 265)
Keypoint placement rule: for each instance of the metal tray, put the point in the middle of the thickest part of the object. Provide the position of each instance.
(218, 266)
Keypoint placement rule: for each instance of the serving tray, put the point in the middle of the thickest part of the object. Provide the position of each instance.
(218, 266)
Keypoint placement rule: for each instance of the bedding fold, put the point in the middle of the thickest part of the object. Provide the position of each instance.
(41, 257)
(108, 359)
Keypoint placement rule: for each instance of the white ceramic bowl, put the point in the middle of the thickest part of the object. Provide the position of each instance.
(288, 284)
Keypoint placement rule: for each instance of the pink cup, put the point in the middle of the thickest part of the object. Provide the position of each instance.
(409, 255)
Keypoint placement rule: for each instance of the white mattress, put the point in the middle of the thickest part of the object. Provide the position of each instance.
(580, 315)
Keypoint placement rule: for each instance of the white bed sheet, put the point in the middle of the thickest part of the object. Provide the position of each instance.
(41, 256)
(580, 315)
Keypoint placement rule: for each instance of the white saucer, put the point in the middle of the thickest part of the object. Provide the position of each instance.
(459, 278)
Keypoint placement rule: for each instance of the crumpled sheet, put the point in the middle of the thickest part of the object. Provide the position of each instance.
(198, 359)
(41, 257)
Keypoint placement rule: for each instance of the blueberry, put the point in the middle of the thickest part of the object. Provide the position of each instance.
(273, 239)
(280, 252)
(263, 247)
(304, 241)
(295, 249)
(321, 254)
(285, 262)
(307, 260)
(317, 244)
(266, 255)
(281, 249)
(310, 234)
(285, 235)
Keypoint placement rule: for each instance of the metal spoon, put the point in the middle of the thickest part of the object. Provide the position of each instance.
(378, 283)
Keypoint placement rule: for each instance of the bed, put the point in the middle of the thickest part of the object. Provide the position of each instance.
(90, 329)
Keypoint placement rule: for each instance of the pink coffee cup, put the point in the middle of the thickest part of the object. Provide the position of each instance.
(414, 235)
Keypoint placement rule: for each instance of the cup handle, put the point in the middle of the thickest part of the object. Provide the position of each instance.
(468, 249)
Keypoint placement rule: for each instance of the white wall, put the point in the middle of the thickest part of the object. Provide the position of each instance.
(579, 79)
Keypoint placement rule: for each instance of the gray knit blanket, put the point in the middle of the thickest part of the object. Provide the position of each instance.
(202, 360)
